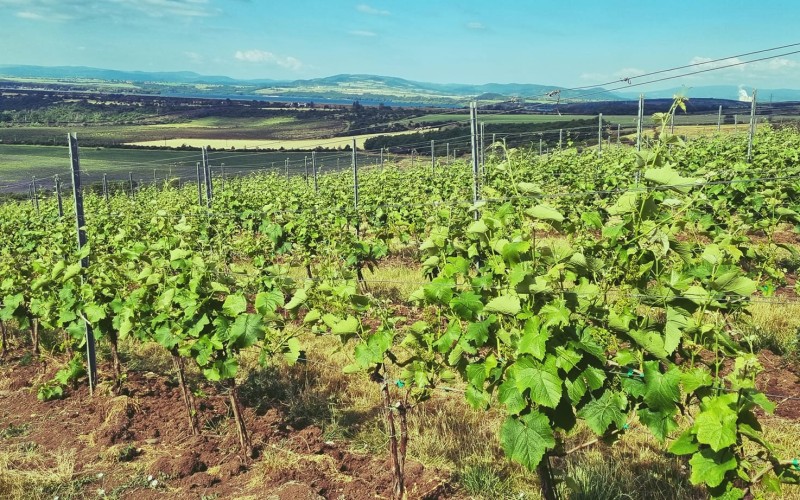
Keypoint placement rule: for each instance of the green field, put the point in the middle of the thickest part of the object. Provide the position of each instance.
(18, 163)
(624, 120)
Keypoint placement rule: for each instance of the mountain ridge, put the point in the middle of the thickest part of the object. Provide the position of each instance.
(364, 86)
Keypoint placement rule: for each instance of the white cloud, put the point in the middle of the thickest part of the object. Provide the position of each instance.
(362, 33)
(263, 56)
(68, 10)
(368, 9)
(476, 26)
(194, 57)
(29, 15)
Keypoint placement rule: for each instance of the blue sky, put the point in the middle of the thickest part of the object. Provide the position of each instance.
(566, 42)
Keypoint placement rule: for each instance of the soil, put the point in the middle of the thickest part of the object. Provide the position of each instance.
(145, 432)
(780, 381)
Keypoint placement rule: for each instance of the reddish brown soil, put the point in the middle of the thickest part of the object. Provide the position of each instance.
(780, 380)
(290, 462)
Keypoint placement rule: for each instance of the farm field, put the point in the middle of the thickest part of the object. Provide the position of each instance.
(266, 143)
(590, 324)
(18, 163)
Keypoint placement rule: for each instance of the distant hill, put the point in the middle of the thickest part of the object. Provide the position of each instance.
(347, 87)
(83, 72)
(730, 92)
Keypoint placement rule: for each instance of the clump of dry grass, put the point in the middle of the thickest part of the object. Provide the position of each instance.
(26, 472)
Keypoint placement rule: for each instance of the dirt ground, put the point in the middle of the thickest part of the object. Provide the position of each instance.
(138, 445)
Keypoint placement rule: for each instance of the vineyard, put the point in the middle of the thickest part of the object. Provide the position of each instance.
(557, 303)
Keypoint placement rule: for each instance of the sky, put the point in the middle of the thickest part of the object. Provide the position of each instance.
(568, 43)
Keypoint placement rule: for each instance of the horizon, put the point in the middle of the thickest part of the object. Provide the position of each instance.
(509, 42)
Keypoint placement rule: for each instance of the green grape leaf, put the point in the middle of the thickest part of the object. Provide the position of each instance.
(526, 439)
(709, 467)
(662, 390)
(505, 304)
(234, 305)
(716, 426)
(602, 412)
(246, 330)
(268, 302)
(540, 378)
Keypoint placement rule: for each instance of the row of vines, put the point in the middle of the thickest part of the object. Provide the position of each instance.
(604, 289)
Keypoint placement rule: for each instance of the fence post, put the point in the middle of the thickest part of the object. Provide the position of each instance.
(355, 184)
(35, 195)
(433, 158)
(482, 152)
(207, 177)
(639, 124)
(130, 182)
(199, 187)
(600, 135)
(287, 169)
(619, 127)
(58, 197)
(305, 165)
(473, 116)
(80, 223)
(447, 153)
(314, 170)
(105, 188)
(752, 127)
(719, 119)
(560, 137)
(540, 144)
(381, 159)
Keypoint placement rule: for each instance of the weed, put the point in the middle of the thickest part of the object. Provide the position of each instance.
(481, 480)
(14, 431)
(127, 453)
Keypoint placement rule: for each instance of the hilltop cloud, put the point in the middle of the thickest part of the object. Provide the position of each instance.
(266, 57)
(368, 9)
(69, 10)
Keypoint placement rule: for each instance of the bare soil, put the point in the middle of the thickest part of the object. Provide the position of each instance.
(145, 432)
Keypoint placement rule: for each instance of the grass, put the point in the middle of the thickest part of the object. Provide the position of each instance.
(775, 327)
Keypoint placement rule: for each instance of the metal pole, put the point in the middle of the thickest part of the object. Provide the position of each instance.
(305, 165)
(473, 115)
(30, 194)
(560, 137)
(80, 223)
(130, 181)
(447, 154)
(719, 119)
(433, 157)
(58, 197)
(105, 188)
(35, 194)
(540, 144)
(639, 124)
(314, 170)
(287, 169)
(619, 127)
(752, 127)
(600, 135)
(207, 176)
(355, 177)
(482, 153)
(381, 159)
(199, 186)
(222, 171)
